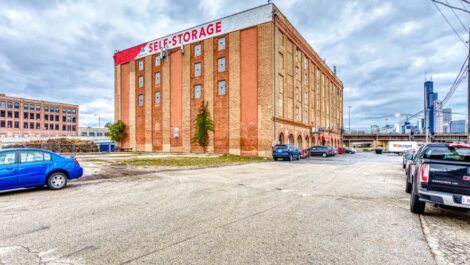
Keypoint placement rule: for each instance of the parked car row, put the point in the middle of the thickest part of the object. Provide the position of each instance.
(439, 174)
(291, 152)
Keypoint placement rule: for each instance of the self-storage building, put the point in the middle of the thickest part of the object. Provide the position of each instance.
(264, 84)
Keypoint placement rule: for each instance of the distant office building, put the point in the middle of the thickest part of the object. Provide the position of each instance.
(92, 132)
(447, 115)
(420, 125)
(446, 128)
(20, 117)
(438, 117)
(431, 97)
(458, 126)
(406, 127)
(374, 129)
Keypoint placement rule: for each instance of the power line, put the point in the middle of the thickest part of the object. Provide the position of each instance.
(457, 82)
(453, 7)
(455, 31)
(458, 18)
(464, 7)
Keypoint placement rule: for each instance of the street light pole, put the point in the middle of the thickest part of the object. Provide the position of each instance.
(99, 120)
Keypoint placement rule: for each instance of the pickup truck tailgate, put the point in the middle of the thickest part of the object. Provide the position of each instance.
(450, 176)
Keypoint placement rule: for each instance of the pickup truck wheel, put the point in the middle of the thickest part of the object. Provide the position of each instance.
(57, 181)
(416, 206)
(407, 186)
(275, 158)
(324, 155)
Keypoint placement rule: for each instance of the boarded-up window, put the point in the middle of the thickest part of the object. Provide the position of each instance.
(221, 88)
(157, 78)
(157, 97)
(197, 91)
(221, 65)
(197, 50)
(197, 69)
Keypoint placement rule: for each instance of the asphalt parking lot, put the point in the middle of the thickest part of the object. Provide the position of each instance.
(339, 210)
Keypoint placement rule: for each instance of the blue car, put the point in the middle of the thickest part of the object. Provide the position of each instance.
(24, 168)
(286, 152)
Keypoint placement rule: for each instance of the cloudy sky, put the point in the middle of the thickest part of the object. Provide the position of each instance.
(62, 50)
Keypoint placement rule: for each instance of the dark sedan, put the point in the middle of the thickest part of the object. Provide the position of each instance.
(324, 151)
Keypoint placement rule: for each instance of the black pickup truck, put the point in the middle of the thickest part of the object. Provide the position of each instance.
(439, 174)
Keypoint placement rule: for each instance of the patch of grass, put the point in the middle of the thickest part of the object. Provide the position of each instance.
(193, 162)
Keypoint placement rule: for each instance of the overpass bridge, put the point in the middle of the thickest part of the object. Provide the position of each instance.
(372, 140)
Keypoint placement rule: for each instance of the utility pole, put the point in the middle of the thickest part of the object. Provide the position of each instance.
(426, 114)
(468, 92)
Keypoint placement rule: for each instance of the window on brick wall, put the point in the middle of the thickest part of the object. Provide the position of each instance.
(141, 81)
(197, 91)
(141, 65)
(221, 88)
(197, 69)
(10, 105)
(2, 113)
(157, 97)
(25, 125)
(221, 44)
(17, 124)
(2, 124)
(25, 106)
(197, 50)
(17, 114)
(157, 60)
(157, 78)
(221, 65)
(2, 104)
(141, 100)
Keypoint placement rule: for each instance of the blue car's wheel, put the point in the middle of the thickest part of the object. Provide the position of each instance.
(57, 181)
(290, 158)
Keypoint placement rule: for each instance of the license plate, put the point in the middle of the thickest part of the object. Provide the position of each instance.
(279, 151)
(466, 200)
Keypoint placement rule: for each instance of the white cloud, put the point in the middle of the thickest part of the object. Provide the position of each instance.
(62, 50)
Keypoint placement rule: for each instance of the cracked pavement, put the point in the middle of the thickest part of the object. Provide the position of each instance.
(340, 210)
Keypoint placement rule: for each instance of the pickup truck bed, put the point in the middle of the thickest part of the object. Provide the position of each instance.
(441, 176)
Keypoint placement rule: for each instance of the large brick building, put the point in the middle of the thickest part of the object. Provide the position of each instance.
(21, 117)
(258, 95)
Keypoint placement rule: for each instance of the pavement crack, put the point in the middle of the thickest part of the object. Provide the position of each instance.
(200, 234)
(28, 232)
